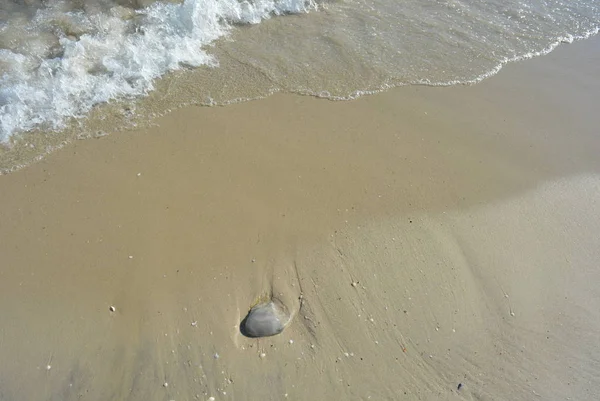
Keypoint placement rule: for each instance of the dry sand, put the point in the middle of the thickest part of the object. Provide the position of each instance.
(421, 238)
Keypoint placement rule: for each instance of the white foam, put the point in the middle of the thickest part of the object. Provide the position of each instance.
(120, 54)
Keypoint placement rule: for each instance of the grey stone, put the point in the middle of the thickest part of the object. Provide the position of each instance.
(264, 320)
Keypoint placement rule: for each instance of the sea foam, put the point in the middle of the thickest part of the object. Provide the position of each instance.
(76, 58)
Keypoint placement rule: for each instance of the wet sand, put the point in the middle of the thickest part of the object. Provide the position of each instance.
(421, 239)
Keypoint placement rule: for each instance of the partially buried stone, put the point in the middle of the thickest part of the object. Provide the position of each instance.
(264, 320)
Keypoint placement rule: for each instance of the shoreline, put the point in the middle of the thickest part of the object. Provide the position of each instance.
(23, 150)
(464, 217)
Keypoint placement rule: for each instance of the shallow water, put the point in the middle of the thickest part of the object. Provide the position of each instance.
(60, 59)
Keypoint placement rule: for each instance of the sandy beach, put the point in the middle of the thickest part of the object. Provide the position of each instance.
(429, 243)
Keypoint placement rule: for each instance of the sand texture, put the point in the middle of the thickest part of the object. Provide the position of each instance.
(419, 239)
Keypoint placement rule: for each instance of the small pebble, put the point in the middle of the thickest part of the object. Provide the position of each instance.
(459, 386)
(266, 319)
(194, 324)
(130, 256)
(48, 367)
(165, 384)
(112, 308)
(211, 399)
(216, 356)
(262, 355)
(291, 341)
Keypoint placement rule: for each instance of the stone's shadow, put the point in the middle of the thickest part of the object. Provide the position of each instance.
(243, 328)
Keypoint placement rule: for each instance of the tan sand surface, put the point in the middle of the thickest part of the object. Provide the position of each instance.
(422, 238)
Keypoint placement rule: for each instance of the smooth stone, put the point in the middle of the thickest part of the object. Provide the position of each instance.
(264, 320)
